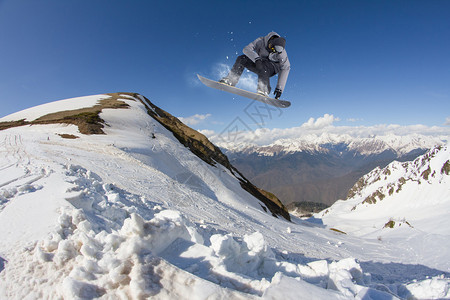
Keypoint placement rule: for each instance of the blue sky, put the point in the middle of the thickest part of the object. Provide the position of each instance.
(361, 62)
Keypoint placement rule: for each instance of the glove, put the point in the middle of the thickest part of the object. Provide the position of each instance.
(277, 93)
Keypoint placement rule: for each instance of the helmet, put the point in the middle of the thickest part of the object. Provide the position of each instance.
(277, 44)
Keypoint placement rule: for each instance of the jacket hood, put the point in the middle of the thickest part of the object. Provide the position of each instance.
(268, 36)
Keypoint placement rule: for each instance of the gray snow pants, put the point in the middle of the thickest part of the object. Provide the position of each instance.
(264, 73)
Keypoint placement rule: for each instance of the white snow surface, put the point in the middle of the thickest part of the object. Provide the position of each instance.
(128, 216)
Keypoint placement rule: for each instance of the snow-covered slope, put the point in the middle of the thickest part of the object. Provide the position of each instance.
(134, 213)
(409, 201)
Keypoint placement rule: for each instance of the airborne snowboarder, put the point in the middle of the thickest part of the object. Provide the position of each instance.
(265, 56)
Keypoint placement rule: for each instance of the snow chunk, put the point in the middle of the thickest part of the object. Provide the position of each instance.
(284, 287)
(434, 288)
(343, 274)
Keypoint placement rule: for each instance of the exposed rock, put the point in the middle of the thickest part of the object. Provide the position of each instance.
(87, 119)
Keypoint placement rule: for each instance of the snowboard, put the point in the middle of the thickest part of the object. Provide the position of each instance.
(243, 93)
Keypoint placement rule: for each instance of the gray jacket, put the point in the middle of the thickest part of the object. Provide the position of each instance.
(258, 48)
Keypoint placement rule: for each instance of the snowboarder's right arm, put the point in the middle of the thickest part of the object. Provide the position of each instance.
(251, 50)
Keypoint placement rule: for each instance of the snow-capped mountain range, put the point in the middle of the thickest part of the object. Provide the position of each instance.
(321, 143)
(110, 197)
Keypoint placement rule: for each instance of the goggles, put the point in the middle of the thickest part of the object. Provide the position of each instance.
(276, 49)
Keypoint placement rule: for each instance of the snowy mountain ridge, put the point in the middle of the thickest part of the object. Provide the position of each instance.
(320, 143)
(99, 198)
(412, 195)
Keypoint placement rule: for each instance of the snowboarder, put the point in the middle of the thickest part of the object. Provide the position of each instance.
(265, 56)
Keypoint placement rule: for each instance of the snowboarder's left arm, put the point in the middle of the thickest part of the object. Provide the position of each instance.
(283, 75)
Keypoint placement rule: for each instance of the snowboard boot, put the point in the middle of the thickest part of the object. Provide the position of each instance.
(226, 81)
(262, 92)
(263, 89)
